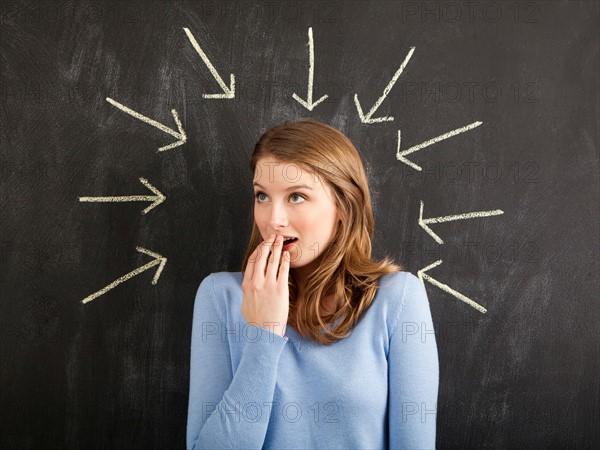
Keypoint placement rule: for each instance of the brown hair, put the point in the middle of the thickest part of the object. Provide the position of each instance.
(346, 269)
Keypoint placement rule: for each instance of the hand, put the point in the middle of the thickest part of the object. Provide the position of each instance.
(266, 293)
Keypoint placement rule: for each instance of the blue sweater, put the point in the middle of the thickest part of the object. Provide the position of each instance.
(251, 388)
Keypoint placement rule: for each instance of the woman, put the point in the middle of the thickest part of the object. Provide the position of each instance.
(312, 344)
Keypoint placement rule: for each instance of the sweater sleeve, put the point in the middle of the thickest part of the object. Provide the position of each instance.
(413, 372)
(226, 409)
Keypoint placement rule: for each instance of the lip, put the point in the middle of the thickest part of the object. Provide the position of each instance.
(288, 247)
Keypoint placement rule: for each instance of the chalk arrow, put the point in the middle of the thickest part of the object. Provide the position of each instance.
(446, 288)
(388, 88)
(308, 104)
(228, 92)
(181, 135)
(400, 154)
(158, 259)
(158, 198)
(423, 222)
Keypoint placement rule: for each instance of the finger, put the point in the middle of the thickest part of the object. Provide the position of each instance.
(284, 269)
(274, 261)
(261, 263)
(249, 272)
(253, 259)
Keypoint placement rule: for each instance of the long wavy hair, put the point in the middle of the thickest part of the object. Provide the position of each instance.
(346, 269)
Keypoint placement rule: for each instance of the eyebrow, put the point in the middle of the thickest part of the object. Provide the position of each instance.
(290, 188)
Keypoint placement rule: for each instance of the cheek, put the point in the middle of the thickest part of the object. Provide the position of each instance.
(258, 219)
(262, 221)
(325, 217)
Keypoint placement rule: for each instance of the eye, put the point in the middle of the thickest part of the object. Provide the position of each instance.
(295, 194)
(257, 194)
(298, 195)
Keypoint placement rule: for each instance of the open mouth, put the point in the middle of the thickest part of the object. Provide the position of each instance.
(289, 243)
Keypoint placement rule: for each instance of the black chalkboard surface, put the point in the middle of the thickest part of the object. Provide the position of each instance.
(125, 137)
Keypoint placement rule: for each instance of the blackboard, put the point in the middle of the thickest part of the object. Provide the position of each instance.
(113, 372)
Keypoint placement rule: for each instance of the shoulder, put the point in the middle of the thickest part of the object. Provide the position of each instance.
(225, 279)
(219, 280)
(215, 286)
(400, 292)
(398, 284)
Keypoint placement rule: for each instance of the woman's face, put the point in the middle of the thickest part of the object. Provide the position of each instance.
(283, 207)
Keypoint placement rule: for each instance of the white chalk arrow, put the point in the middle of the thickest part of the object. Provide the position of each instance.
(158, 198)
(308, 104)
(423, 222)
(228, 92)
(158, 259)
(181, 135)
(388, 88)
(400, 154)
(446, 288)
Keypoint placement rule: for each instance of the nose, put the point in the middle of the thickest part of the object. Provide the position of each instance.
(278, 218)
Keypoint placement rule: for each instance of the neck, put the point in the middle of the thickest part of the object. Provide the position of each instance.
(328, 303)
